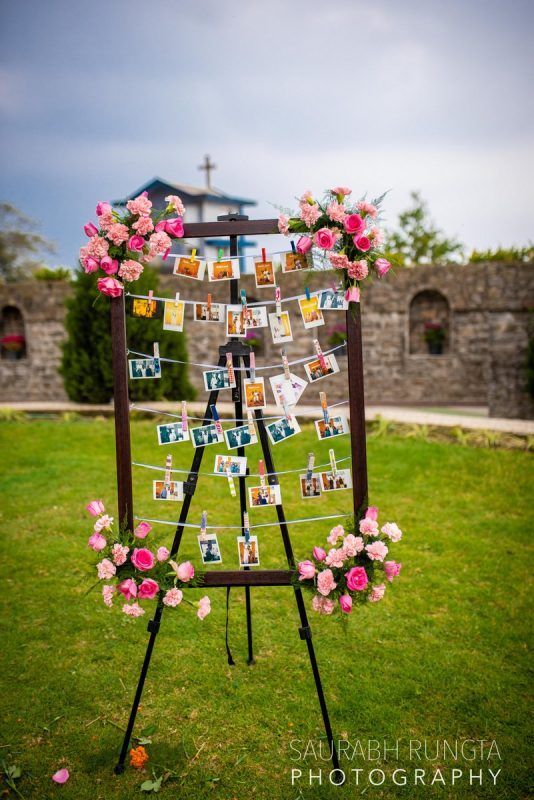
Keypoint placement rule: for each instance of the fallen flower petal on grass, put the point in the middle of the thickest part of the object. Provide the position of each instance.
(61, 776)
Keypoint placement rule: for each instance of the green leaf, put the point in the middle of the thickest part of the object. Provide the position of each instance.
(149, 730)
(147, 786)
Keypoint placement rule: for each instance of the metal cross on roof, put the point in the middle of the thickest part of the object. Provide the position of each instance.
(207, 166)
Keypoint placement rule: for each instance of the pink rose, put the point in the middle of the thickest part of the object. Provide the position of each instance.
(319, 554)
(392, 569)
(377, 593)
(175, 227)
(160, 226)
(352, 295)
(90, 264)
(369, 527)
(162, 554)
(362, 243)
(136, 242)
(283, 224)
(354, 223)
(325, 238)
(173, 597)
(90, 230)
(325, 582)
(97, 542)
(306, 570)
(304, 244)
(103, 208)
(204, 607)
(142, 559)
(128, 588)
(392, 531)
(109, 265)
(133, 610)
(372, 513)
(61, 776)
(148, 589)
(382, 266)
(184, 571)
(109, 287)
(95, 508)
(142, 530)
(356, 579)
(377, 551)
(345, 601)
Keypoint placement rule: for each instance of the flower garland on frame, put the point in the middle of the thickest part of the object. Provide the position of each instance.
(125, 241)
(344, 230)
(137, 572)
(354, 568)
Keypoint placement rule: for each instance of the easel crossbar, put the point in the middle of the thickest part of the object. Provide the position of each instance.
(259, 577)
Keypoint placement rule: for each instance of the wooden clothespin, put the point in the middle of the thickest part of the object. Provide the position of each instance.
(278, 301)
(230, 368)
(203, 523)
(252, 367)
(168, 469)
(261, 470)
(250, 422)
(209, 303)
(217, 421)
(319, 352)
(246, 526)
(324, 406)
(150, 295)
(231, 483)
(285, 364)
(184, 416)
(244, 308)
(311, 462)
(263, 255)
(333, 465)
(176, 298)
(193, 255)
(156, 351)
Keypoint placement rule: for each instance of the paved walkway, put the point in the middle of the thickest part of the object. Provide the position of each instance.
(448, 417)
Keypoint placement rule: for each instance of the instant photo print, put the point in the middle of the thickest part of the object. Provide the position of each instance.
(190, 268)
(144, 368)
(171, 432)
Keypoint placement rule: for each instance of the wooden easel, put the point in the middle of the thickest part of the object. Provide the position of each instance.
(233, 226)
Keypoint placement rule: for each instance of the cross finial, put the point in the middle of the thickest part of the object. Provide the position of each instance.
(207, 166)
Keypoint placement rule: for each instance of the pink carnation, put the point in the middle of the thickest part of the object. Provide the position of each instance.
(174, 201)
(128, 588)
(130, 270)
(382, 266)
(159, 242)
(105, 569)
(356, 579)
(133, 609)
(306, 570)
(345, 602)
(335, 534)
(336, 212)
(107, 595)
(148, 589)
(376, 236)
(119, 553)
(325, 582)
(310, 214)
(204, 607)
(105, 521)
(142, 559)
(377, 593)
(323, 605)
(369, 527)
(97, 247)
(139, 206)
(341, 190)
(95, 508)
(335, 558)
(283, 224)
(173, 597)
(377, 551)
(392, 531)
(367, 209)
(338, 260)
(358, 270)
(392, 569)
(306, 198)
(110, 287)
(362, 243)
(142, 530)
(352, 545)
(162, 554)
(118, 233)
(97, 542)
(143, 226)
(106, 221)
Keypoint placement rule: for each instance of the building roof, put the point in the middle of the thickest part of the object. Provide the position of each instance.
(187, 192)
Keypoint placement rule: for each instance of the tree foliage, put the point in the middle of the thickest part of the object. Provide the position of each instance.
(504, 255)
(21, 245)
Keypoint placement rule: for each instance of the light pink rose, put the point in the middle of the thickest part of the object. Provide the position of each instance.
(344, 191)
(304, 244)
(108, 593)
(377, 593)
(283, 224)
(140, 206)
(97, 542)
(335, 534)
(306, 570)
(136, 242)
(392, 531)
(142, 530)
(362, 243)
(142, 559)
(95, 508)
(358, 270)
(392, 569)
(372, 513)
(130, 270)
(352, 545)
(103, 208)
(118, 233)
(109, 265)
(160, 226)
(325, 238)
(323, 605)
(338, 260)
(90, 230)
(105, 521)
(61, 776)
(354, 223)
(105, 569)
(174, 201)
(352, 295)
(162, 554)
(109, 287)
(335, 558)
(173, 597)
(90, 264)
(377, 551)
(128, 588)
(319, 554)
(356, 579)
(367, 209)
(143, 226)
(325, 582)
(148, 589)
(133, 610)
(345, 601)
(119, 553)
(336, 212)
(184, 571)
(204, 607)
(175, 227)
(382, 266)
(369, 527)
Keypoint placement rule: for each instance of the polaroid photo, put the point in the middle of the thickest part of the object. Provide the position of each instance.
(217, 379)
(249, 554)
(215, 312)
(144, 308)
(292, 389)
(223, 270)
(189, 268)
(264, 495)
(171, 432)
(310, 488)
(333, 300)
(206, 435)
(209, 549)
(256, 318)
(144, 368)
(312, 316)
(336, 426)
(333, 483)
(239, 437)
(254, 393)
(168, 490)
(173, 316)
(264, 271)
(236, 465)
(280, 327)
(282, 429)
(315, 372)
(235, 321)
(294, 261)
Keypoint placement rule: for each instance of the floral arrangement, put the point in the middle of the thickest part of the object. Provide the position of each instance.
(137, 572)
(123, 242)
(346, 231)
(354, 569)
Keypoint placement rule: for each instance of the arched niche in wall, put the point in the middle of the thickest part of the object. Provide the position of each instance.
(429, 321)
(12, 334)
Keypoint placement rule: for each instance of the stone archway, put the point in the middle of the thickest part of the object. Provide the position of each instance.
(429, 323)
(12, 334)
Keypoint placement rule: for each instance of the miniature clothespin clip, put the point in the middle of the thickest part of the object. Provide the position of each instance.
(220, 254)
(230, 368)
(307, 290)
(156, 352)
(193, 254)
(176, 298)
(261, 471)
(263, 255)
(252, 367)
(231, 483)
(244, 308)
(216, 420)
(184, 416)
(209, 303)
(319, 352)
(203, 523)
(246, 526)
(278, 301)
(333, 465)
(324, 406)
(250, 422)
(168, 469)
(309, 471)
(293, 247)
(285, 364)
(150, 296)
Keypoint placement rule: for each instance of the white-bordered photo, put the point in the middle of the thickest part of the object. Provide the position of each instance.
(144, 368)
(239, 437)
(336, 426)
(210, 551)
(310, 488)
(235, 465)
(254, 393)
(333, 300)
(189, 268)
(223, 270)
(235, 321)
(249, 554)
(280, 327)
(312, 316)
(264, 495)
(256, 318)
(282, 429)
(217, 379)
(334, 483)
(173, 315)
(316, 372)
(294, 261)
(212, 313)
(264, 272)
(168, 490)
(206, 435)
(292, 392)
(171, 432)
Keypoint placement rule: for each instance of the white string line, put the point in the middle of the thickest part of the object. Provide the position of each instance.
(315, 293)
(250, 475)
(238, 369)
(243, 257)
(240, 527)
(134, 407)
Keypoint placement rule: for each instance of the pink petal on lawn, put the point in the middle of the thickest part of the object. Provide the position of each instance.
(61, 776)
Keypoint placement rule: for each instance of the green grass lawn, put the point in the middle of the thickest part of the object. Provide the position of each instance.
(444, 656)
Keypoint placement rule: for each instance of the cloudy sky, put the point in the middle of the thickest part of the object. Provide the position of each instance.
(98, 97)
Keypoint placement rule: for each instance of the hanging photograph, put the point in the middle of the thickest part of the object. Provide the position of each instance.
(312, 317)
(168, 490)
(333, 483)
(205, 435)
(223, 270)
(217, 379)
(264, 495)
(333, 300)
(144, 368)
(171, 432)
(249, 554)
(280, 327)
(239, 437)
(316, 372)
(264, 271)
(336, 426)
(235, 321)
(209, 549)
(190, 268)
(257, 317)
(235, 465)
(144, 308)
(212, 313)
(282, 429)
(173, 316)
(254, 392)
(293, 261)
(310, 488)
(280, 387)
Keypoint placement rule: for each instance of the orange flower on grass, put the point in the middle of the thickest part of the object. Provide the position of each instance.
(138, 757)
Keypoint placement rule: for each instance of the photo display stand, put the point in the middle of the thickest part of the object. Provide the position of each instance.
(233, 226)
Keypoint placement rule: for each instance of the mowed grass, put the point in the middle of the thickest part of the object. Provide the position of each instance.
(444, 656)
